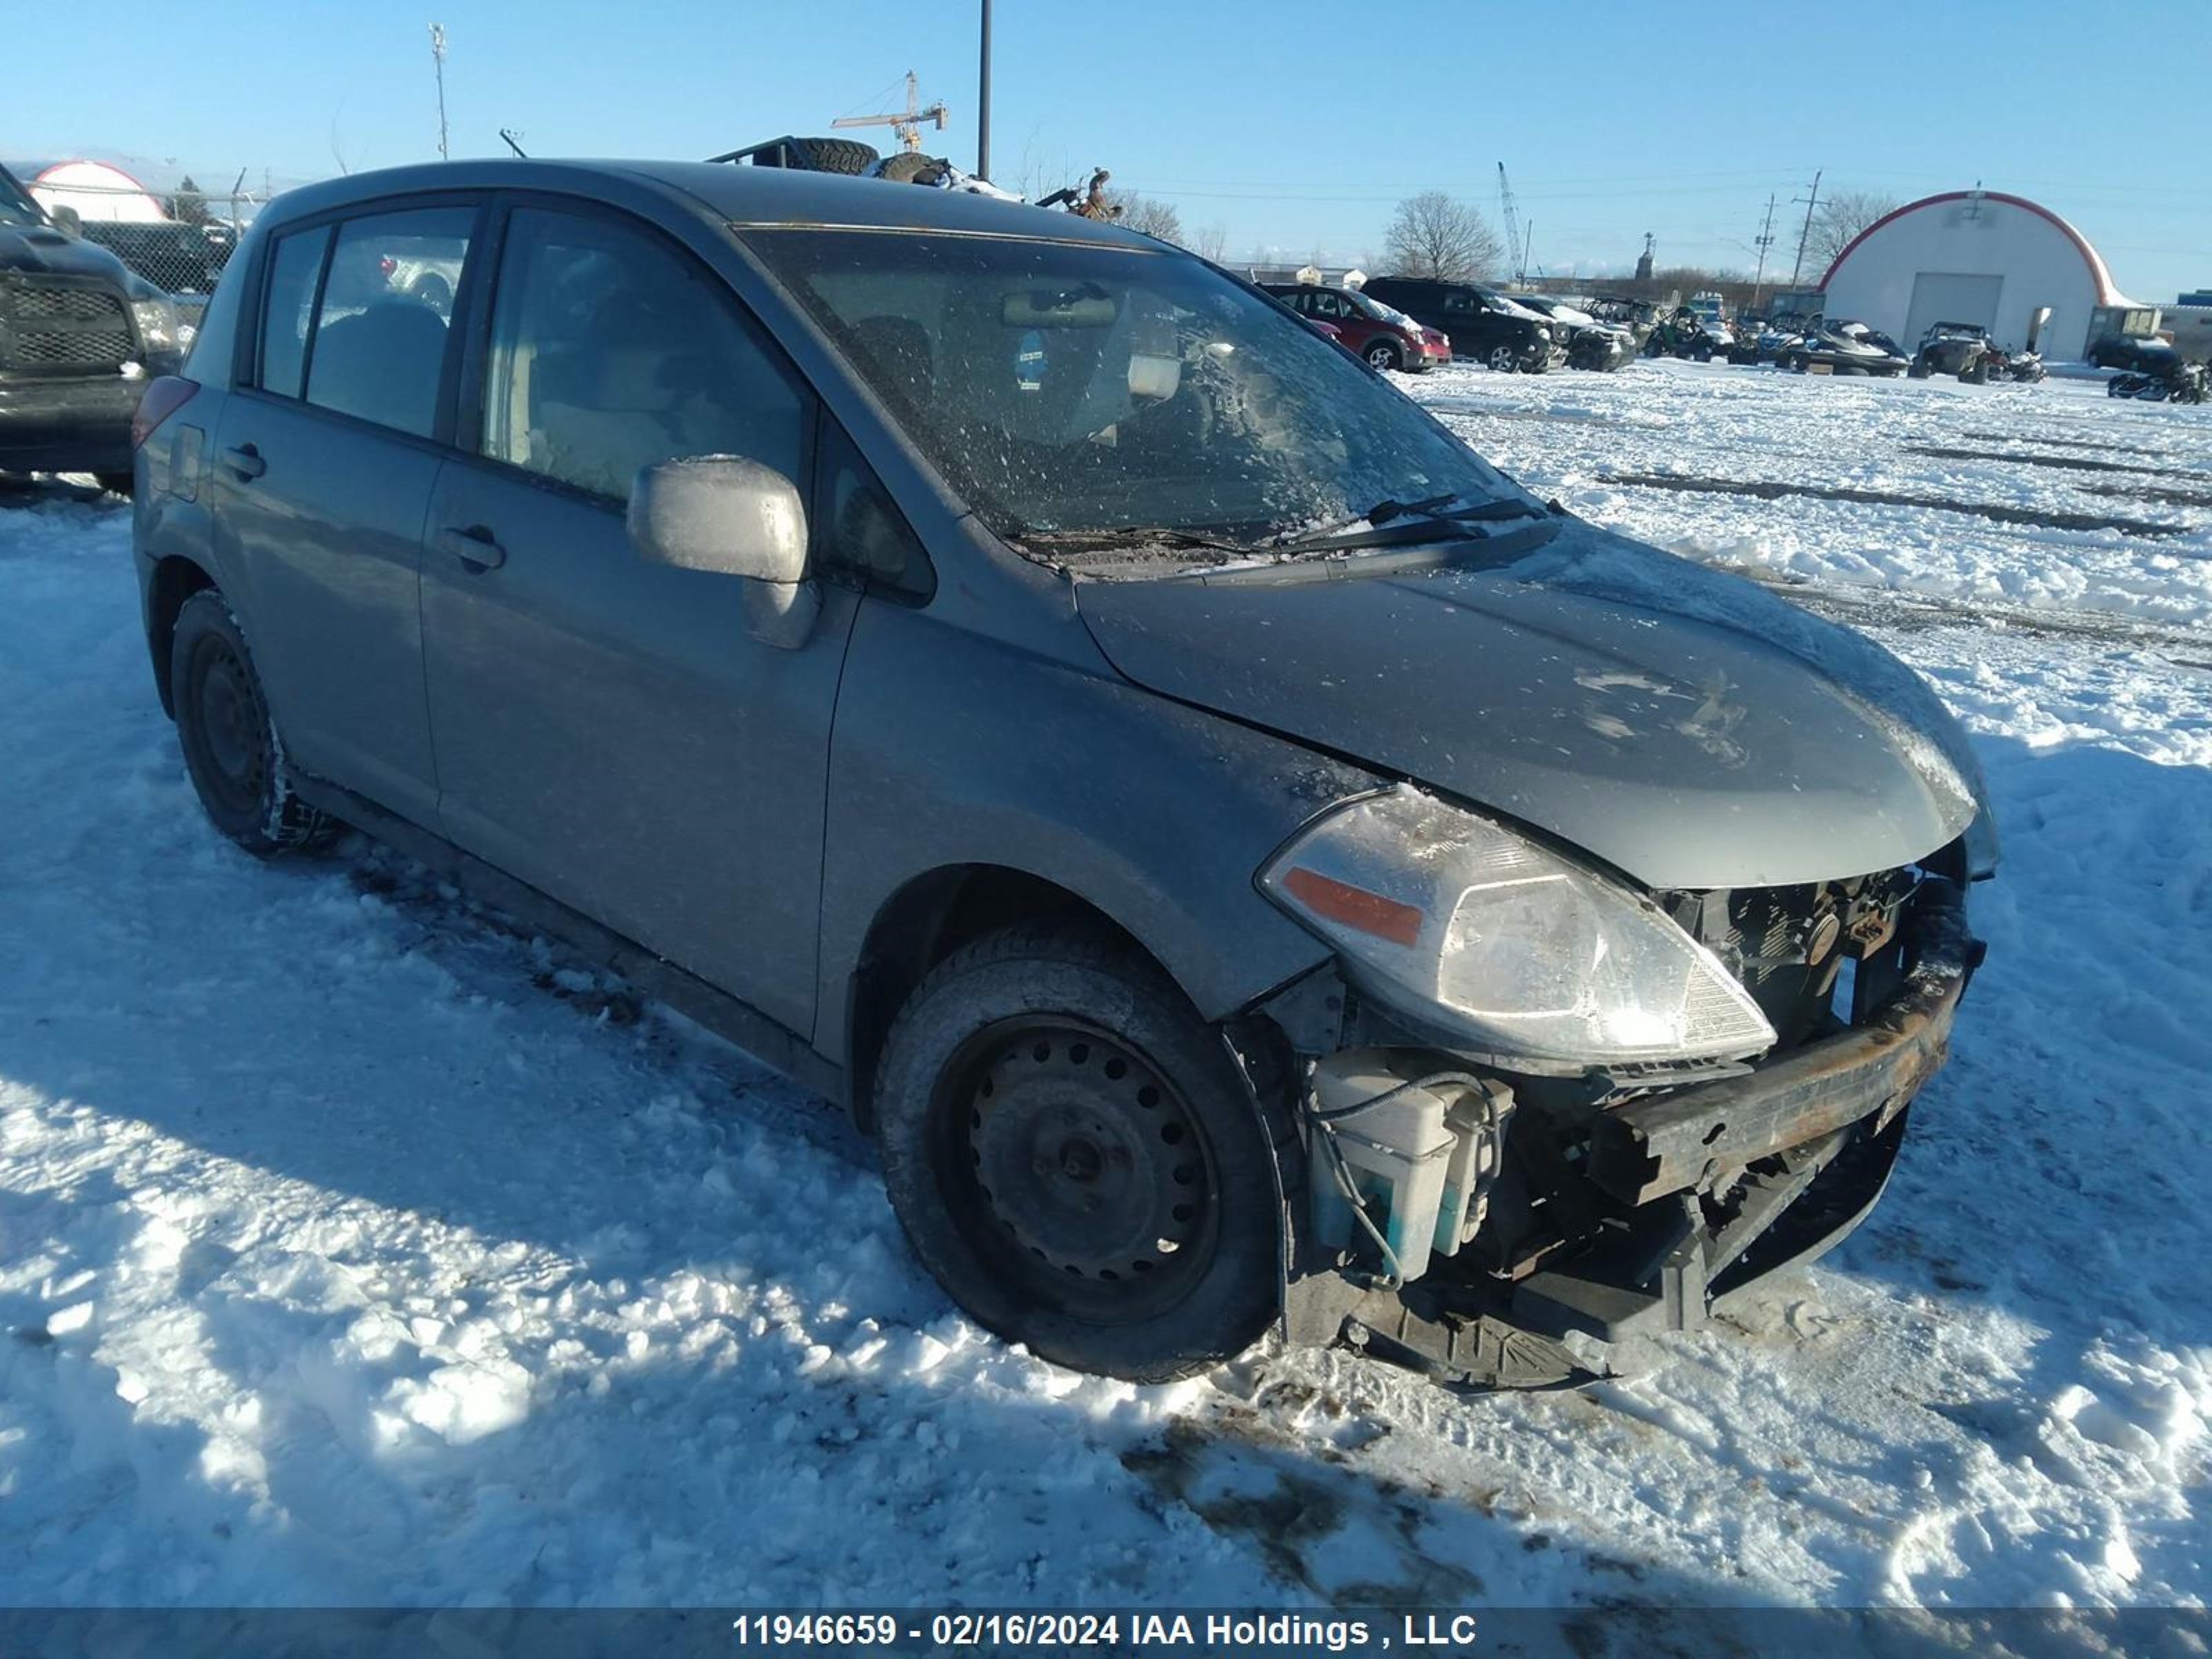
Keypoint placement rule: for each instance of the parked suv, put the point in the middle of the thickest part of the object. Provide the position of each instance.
(1386, 337)
(1481, 323)
(1242, 857)
(79, 336)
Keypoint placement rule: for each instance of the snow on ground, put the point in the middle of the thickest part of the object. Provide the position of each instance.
(354, 1250)
(1572, 434)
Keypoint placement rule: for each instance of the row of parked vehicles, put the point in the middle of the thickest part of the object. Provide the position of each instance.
(1836, 345)
(1412, 323)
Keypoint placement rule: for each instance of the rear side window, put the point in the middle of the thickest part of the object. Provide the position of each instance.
(378, 350)
(295, 270)
(610, 351)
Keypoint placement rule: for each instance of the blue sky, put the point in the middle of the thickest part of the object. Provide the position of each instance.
(1293, 126)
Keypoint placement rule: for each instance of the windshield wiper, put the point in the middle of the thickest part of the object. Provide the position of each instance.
(1392, 522)
(1115, 539)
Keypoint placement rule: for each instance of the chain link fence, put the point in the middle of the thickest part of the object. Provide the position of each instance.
(177, 235)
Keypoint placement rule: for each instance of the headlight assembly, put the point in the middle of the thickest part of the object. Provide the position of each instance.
(1454, 918)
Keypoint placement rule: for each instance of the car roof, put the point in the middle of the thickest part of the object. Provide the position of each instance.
(741, 196)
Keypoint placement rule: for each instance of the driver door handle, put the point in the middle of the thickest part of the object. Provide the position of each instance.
(244, 460)
(474, 547)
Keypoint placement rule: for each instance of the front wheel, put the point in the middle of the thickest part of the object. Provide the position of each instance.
(1074, 1158)
(1382, 355)
(231, 750)
(1504, 359)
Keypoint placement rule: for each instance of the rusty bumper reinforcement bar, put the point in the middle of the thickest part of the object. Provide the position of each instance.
(1687, 1140)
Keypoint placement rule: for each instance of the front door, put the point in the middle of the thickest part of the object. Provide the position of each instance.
(606, 729)
(323, 468)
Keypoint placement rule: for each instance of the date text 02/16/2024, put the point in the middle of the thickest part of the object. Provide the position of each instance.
(1209, 1631)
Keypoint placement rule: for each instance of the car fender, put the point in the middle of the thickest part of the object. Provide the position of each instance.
(956, 749)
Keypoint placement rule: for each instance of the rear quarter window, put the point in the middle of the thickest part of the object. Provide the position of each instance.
(295, 270)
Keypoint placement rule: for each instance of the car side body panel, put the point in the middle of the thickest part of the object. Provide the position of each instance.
(954, 750)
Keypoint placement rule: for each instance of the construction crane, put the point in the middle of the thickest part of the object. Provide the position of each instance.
(906, 123)
(1516, 250)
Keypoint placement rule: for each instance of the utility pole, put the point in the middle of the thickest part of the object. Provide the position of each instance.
(1766, 240)
(983, 102)
(438, 63)
(1797, 270)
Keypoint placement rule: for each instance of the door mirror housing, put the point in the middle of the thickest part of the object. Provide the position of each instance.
(735, 518)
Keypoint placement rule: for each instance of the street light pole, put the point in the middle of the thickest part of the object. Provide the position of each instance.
(983, 102)
(438, 62)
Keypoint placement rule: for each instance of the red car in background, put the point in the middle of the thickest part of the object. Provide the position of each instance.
(1368, 328)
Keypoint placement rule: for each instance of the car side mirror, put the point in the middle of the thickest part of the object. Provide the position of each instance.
(735, 518)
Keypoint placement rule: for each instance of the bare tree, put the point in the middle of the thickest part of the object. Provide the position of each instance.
(1435, 237)
(188, 206)
(1209, 242)
(1839, 220)
(1147, 214)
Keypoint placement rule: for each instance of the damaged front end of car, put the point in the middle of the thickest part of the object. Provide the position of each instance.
(1537, 1105)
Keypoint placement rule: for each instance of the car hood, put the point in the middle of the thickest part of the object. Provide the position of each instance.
(34, 248)
(1682, 725)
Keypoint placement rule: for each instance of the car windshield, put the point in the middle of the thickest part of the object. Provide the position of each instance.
(1089, 399)
(16, 207)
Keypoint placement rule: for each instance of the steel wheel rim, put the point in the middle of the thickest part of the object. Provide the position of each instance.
(1075, 1170)
(233, 734)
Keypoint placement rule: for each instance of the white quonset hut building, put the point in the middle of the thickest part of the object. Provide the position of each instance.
(1976, 256)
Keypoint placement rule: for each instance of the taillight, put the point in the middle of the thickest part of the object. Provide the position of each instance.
(163, 398)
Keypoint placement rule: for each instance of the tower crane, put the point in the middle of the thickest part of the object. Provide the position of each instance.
(1516, 250)
(906, 123)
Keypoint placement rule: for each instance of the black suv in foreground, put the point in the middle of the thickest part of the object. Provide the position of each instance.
(80, 335)
(1482, 324)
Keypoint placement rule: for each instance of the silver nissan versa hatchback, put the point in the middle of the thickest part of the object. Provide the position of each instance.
(1243, 857)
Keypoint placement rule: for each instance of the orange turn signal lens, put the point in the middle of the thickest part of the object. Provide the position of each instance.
(1354, 906)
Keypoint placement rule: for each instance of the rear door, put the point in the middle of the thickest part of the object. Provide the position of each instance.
(324, 464)
(607, 730)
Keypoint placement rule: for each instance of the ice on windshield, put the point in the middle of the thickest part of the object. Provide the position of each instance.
(1091, 396)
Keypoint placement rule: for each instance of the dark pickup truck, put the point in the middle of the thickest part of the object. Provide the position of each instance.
(80, 337)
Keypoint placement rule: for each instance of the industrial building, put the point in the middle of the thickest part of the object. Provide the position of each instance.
(1976, 255)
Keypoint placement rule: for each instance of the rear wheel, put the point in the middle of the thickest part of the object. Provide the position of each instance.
(1071, 1156)
(230, 746)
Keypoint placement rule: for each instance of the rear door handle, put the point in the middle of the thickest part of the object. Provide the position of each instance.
(244, 460)
(474, 547)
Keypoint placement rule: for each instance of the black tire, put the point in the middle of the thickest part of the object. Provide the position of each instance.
(435, 292)
(115, 483)
(1503, 359)
(1383, 354)
(907, 166)
(1135, 1227)
(1920, 368)
(230, 745)
(1976, 373)
(846, 156)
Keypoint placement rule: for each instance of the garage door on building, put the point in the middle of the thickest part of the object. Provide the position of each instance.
(1940, 296)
